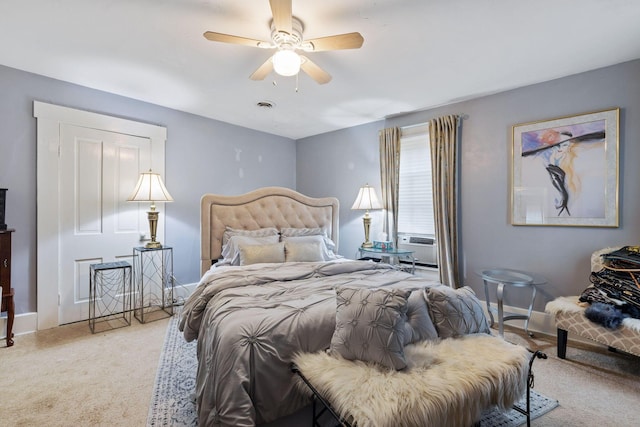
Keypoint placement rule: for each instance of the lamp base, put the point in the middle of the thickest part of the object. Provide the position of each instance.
(367, 245)
(152, 215)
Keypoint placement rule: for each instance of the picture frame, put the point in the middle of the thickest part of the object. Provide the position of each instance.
(565, 171)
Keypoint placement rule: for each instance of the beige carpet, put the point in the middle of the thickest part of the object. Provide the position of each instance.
(68, 377)
(595, 387)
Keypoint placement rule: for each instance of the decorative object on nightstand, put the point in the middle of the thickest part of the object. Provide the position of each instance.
(150, 188)
(366, 200)
(8, 304)
(154, 285)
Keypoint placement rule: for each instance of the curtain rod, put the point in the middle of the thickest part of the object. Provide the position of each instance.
(459, 116)
(409, 127)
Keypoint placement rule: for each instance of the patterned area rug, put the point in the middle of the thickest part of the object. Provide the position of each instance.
(173, 402)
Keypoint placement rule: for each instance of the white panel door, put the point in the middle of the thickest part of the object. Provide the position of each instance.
(98, 170)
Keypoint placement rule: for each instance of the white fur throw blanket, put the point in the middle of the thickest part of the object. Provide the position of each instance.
(447, 382)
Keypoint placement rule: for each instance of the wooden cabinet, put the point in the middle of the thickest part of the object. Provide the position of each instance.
(5, 281)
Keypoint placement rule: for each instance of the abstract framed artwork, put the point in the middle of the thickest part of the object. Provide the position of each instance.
(565, 171)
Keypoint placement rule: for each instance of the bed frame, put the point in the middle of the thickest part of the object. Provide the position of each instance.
(265, 207)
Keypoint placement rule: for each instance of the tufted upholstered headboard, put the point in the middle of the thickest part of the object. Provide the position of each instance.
(265, 207)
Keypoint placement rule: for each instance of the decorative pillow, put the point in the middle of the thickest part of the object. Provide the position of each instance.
(230, 251)
(260, 232)
(456, 312)
(418, 326)
(254, 254)
(303, 251)
(370, 325)
(326, 244)
(293, 232)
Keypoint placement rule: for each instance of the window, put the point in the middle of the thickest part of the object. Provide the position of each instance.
(415, 201)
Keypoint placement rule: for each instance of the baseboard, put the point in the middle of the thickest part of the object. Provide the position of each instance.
(539, 322)
(27, 323)
(182, 291)
(24, 323)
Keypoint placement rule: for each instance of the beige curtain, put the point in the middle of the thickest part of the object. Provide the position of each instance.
(390, 179)
(443, 136)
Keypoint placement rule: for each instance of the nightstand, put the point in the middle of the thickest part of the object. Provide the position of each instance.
(109, 296)
(391, 256)
(8, 304)
(502, 277)
(153, 283)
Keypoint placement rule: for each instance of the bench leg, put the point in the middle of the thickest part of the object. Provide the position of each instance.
(562, 343)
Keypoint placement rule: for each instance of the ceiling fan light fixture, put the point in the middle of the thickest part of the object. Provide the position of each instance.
(286, 62)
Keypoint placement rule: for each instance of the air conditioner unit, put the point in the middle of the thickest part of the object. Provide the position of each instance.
(424, 248)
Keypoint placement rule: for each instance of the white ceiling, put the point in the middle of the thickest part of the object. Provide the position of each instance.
(417, 54)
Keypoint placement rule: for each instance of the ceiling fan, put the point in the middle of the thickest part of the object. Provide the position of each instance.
(286, 38)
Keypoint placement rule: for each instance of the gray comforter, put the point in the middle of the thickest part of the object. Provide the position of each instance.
(249, 321)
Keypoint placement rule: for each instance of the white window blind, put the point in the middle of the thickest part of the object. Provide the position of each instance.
(415, 201)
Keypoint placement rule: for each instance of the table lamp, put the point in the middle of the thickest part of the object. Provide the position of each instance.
(366, 200)
(150, 188)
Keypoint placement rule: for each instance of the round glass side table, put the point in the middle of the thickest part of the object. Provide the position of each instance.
(502, 277)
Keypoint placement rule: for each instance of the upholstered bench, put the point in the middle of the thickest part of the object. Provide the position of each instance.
(447, 382)
(569, 317)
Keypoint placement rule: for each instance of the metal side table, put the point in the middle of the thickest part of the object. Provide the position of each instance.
(154, 285)
(506, 277)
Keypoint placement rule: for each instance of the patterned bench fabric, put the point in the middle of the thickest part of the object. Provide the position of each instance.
(623, 338)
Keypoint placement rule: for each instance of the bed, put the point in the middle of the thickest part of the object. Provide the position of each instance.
(269, 288)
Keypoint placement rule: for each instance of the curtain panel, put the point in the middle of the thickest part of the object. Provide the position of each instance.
(443, 136)
(390, 179)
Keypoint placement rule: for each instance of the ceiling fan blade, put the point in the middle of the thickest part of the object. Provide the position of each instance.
(281, 11)
(315, 72)
(340, 41)
(227, 38)
(262, 70)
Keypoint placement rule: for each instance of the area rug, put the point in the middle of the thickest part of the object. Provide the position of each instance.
(173, 402)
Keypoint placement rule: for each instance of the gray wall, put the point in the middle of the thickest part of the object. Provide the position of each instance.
(337, 164)
(202, 155)
(350, 157)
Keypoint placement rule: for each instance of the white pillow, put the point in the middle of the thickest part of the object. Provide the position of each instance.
(303, 251)
(230, 251)
(327, 249)
(292, 232)
(318, 231)
(260, 232)
(254, 254)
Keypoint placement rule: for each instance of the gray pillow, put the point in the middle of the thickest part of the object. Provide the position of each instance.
(254, 254)
(370, 325)
(418, 326)
(456, 312)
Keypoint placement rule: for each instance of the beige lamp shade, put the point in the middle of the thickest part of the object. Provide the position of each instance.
(150, 188)
(366, 200)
